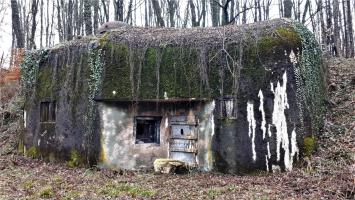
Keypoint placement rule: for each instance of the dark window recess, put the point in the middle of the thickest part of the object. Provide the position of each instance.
(47, 111)
(147, 129)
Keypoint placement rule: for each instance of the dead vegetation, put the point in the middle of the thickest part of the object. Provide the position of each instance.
(329, 173)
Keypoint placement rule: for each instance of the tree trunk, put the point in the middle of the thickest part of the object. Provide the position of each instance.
(129, 12)
(16, 25)
(70, 21)
(172, 9)
(106, 10)
(231, 10)
(34, 10)
(96, 15)
(118, 5)
(41, 31)
(47, 25)
(214, 12)
(255, 10)
(346, 37)
(203, 13)
(193, 14)
(337, 46)
(244, 18)
(59, 22)
(87, 17)
(323, 31)
(350, 30)
(157, 11)
(306, 7)
(288, 8)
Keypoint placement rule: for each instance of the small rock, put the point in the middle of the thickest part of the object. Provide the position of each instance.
(332, 87)
(352, 81)
(168, 166)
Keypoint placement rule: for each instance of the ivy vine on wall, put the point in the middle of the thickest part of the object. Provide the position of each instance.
(309, 75)
(29, 70)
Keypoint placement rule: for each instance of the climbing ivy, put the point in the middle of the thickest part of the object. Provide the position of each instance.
(29, 70)
(95, 64)
(309, 75)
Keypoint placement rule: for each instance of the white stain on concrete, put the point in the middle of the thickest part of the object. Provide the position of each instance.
(24, 118)
(280, 123)
(261, 109)
(294, 148)
(252, 125)
(293, 58)
(206, 133)
(166, 122)
(275, 168)
(229, 107)
(269, 130)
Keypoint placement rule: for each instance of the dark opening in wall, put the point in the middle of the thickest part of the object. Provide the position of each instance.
(147, 130)
(47, 111)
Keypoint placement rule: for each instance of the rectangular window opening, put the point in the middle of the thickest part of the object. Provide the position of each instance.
(147, 130)
(47, 111)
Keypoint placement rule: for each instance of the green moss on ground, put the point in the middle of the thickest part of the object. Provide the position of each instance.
(76, 159)
(309, 145)
(135, 191)
(32, 152)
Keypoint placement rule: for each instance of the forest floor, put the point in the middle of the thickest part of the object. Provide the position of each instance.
(328, 174)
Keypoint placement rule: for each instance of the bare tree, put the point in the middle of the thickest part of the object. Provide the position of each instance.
(193, 13)
(350, 30)
(129, 12)
(105, 7)
(96, 14)
(16, 25)
(118, 5)
(157, 11)
(337, 45)
(215, 9)
(87, 17)
(59, 22)
(288, 8)
(172, 9)
(70, 22)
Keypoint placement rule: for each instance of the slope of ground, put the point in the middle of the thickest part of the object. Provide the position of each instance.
(329, 173)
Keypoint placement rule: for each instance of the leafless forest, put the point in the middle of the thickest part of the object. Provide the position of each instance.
(34, 24)
(38, 23)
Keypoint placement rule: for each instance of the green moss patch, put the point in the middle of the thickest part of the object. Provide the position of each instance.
(135, 191)
(309, 145)
(76, 159)
(46, 192)
(32, 152)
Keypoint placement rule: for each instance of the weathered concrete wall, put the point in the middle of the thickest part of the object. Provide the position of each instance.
(61, 78)
(262, 82)
(118, 146)
(265, 135)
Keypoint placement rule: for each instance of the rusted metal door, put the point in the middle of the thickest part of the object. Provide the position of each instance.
(183, 139)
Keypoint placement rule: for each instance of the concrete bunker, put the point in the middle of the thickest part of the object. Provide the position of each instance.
(232, 99)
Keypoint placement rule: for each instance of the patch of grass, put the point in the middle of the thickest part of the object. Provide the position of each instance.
(71, 195)
(32, 152)
(213, 193)
(115, 190)
(76, 159)
(28, 185)
(309, 145)
(46, 192)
